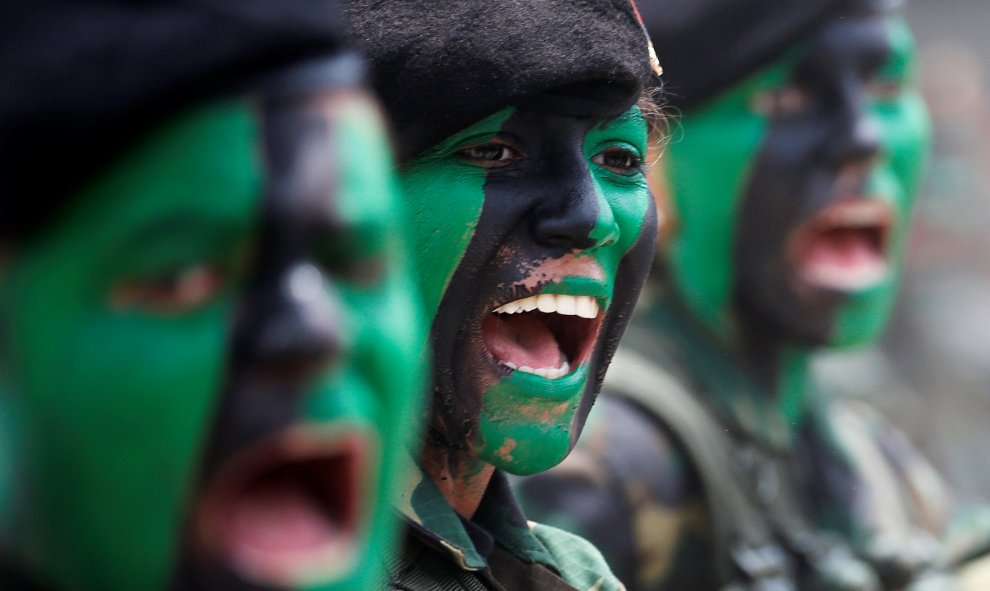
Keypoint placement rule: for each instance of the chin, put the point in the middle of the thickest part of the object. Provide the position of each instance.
(862, 318)
(814, 316)
(524, 450)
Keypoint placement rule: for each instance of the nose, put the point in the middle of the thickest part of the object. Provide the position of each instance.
(295, 331)
(856, 135)
(580, 219)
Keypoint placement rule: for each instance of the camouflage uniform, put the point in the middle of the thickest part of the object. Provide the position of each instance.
(684, 486)
(497, 550)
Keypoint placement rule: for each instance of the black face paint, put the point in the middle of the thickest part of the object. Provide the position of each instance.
(549, 224)
(820, 150)
(286, 328)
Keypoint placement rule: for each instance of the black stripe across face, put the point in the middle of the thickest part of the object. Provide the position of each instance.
(285, 325)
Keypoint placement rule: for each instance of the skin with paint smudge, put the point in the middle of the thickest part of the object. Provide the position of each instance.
(198, 331)
(803, 237)
(528, 201)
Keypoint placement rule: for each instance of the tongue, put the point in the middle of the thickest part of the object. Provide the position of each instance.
(522, 339)
(280, 516)
(842, 249)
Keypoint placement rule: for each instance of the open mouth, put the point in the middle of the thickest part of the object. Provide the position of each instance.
(844, 246)
(548, 335)
(285, 512)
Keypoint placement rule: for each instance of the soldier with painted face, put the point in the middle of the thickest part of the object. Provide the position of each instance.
(522, 165)
(208, 335)
(714, 462)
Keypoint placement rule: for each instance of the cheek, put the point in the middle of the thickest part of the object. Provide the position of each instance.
(444, 206)
(116, 431)
(709, 172)
(380, 381)
(908, 136)
(630, 205)
(140, 387)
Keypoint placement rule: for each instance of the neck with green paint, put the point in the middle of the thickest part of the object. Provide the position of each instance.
(759, 380)
(779, 368)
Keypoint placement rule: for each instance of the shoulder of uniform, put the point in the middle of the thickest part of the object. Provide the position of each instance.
(877, 447)
(625, 452)
(642, 448)
(579, 562)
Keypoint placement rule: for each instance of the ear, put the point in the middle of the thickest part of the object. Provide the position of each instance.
(656, 178)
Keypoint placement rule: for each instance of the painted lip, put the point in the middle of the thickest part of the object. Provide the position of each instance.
(549, 330)
(286, 510)
(845, 246)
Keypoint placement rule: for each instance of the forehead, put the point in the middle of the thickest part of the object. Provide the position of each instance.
(202, 163)
(206, 167)
(629, 125)
(582, 100)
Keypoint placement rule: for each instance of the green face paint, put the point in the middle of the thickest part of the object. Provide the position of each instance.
(116, 346)
(528, 202)
(803, 237)
(902, 119)
(708, 167)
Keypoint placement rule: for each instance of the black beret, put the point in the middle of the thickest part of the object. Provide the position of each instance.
(707, 46)
(441, 66)
(80, 80)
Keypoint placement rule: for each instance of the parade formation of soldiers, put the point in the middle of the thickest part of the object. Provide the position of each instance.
(464, 295)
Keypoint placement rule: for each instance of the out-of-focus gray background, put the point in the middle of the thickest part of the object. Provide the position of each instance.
(932, 373)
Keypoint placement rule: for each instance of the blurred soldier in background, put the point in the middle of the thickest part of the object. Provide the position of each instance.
(714, 462)
(208, 343)
(523, 132)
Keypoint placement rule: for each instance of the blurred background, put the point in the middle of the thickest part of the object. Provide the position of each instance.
(931, 373)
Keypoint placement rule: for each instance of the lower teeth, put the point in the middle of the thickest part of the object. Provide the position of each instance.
(549, 373)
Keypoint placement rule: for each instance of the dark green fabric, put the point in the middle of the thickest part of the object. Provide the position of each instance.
(739, 526)
(442, 548)
(842, 494)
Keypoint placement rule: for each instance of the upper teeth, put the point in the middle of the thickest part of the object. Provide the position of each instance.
(856, 214)
(583, 306)
(550, 373)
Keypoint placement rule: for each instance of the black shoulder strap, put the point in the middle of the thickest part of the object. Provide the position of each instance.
(419, 566)
(518, 575)
(742, 539)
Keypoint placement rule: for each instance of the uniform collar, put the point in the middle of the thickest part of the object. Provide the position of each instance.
(498, 519)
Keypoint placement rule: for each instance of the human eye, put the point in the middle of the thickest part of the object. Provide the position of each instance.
(364, 271)
(492, 154)
(356, 256)
(781, 101)
(171, 292)
(619, 160)
(885, 90)
(886, 87)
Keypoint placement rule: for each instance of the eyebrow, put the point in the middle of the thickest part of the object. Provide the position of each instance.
(183, 223)
(632, 115)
